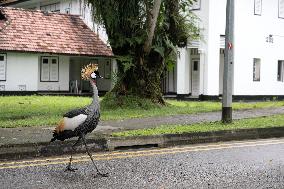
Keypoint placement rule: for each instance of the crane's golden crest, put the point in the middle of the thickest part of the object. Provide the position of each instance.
(88, 70)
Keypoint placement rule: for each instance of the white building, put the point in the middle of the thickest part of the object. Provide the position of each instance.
(44, 52)
(258, 51)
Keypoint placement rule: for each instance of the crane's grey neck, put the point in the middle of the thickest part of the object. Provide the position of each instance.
(95, 101)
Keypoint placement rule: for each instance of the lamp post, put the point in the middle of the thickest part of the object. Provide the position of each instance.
(228, 64)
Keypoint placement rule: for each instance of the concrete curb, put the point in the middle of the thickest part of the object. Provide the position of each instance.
(194, 138)
(18, 151)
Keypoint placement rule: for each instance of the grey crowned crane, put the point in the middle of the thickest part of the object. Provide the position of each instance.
(79, 122)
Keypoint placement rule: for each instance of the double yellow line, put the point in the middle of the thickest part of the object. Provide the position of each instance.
(133, 154)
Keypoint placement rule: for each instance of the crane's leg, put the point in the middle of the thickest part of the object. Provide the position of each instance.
(87, 149)
(69, 167)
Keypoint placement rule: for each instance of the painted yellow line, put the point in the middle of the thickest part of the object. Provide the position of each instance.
(147, 151)
(141, 154)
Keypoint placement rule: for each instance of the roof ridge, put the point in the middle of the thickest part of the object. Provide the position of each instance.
(39, 11)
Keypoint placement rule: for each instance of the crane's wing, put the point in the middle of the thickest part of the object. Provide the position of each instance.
(75, 112)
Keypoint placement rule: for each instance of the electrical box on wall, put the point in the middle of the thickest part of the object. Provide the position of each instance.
(22, 88)
(2, 87)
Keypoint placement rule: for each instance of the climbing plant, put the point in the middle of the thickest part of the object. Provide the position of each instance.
(143, 35)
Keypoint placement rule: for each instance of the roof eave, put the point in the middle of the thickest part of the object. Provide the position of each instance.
(55, 53)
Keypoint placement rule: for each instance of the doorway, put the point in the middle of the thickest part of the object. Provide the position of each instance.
(195, 75)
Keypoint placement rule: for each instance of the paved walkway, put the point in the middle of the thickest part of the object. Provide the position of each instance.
(30, 135)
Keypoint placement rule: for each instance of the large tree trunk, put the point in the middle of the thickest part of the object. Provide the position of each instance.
(152, 16)
(144, 79)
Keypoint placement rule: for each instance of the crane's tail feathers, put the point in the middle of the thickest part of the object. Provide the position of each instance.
(60, 127)
(57, 130)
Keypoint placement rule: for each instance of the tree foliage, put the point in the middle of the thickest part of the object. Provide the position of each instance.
(143, 59)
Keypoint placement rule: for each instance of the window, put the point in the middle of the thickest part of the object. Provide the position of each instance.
(195, 65)
(280, 70)
(49, 69)
(51, 7)
(257, 7)
(256, 69)
(196, 5)
(2, 67)
(281, 8)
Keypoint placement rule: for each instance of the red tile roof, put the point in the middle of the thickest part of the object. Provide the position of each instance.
(35, 31)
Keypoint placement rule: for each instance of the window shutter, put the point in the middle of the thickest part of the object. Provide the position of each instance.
(44, 69)
(2, 67)
(54, 69)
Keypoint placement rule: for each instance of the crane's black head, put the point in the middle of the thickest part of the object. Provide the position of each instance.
(95, 75)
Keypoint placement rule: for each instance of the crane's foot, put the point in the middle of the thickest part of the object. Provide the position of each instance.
(101, 175)
(69, 168)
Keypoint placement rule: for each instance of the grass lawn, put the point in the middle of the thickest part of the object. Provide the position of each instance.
(263, 122)
(16, 111)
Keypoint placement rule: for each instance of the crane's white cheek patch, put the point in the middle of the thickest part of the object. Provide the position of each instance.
(74, 122)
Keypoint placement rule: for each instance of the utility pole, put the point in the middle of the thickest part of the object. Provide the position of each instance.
(228, 64)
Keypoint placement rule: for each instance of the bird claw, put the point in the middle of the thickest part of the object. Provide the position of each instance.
(69, 168)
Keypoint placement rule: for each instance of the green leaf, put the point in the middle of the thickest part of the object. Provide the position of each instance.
(160, 50)
(127, 66)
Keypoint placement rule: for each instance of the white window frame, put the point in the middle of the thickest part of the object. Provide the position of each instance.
(49, 72)
(3, 68)
(280, 70)
(281, 11)
(258, 7)
(256, 69)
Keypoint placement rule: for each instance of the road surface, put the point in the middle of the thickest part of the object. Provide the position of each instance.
(244, 164)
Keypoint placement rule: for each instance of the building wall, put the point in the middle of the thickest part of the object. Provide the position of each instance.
(63, 82)
(251, 32)
(212, 25)
(105, 84)
(216, 27)
(21, 72)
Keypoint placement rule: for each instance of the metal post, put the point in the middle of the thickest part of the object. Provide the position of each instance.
(228, 64)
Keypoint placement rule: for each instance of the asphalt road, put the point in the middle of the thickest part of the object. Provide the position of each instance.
(244, 164)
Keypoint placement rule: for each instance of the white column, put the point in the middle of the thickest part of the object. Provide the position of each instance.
(114, 70)
(183, 71)
(202, 80)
